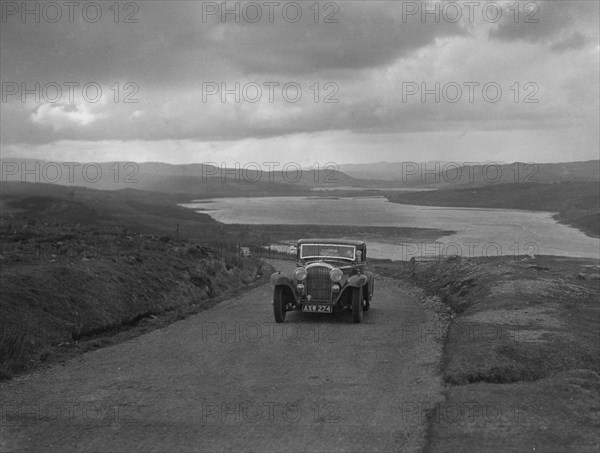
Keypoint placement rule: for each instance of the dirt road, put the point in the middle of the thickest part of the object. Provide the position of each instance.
(230, 379)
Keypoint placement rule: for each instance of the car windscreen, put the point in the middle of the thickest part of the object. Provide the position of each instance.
(327, 251)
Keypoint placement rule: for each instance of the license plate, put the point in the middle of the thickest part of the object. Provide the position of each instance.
(317, 308)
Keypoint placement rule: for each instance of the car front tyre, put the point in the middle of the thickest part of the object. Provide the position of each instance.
(357, 305)
(278, 304)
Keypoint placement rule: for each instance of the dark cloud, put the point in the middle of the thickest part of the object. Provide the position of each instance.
(541, 21)
(367, 35)
(574, 41)
(172, 44)
(173, 49)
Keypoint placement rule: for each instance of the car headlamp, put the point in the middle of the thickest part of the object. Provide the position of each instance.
(336, 275)
(300, 273)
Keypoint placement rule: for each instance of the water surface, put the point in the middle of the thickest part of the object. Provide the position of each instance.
(478, 231)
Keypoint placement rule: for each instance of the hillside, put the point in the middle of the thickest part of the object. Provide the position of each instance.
(79, 263)
(146, 212)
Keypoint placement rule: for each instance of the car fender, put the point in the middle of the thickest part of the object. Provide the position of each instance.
(357, 281)
(284, 280)
(281, 279)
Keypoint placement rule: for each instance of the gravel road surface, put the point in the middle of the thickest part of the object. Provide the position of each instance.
(231, 379)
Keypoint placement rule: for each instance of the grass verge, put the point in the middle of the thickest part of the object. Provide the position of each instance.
(521, 354)
(67, 290)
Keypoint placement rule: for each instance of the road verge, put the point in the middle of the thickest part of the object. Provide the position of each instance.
(521, 353)
(80, 289)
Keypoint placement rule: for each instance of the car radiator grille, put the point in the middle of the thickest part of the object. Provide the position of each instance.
(318, 283)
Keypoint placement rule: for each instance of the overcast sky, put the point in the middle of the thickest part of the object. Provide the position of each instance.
(370, 60)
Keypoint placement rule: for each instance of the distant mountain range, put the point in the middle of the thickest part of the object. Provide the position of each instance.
(201, 180)
(192, 179)
(446, 174)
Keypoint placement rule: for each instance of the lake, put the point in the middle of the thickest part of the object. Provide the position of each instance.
(479, 232)
(365, 189)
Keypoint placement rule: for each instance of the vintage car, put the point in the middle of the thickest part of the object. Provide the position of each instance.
(330, 274)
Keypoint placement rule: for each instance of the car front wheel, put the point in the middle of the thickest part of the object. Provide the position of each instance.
(278, 304)
(357, 305)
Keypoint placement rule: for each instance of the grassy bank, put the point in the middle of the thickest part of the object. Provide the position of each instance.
(521, 354)
(577, 204)
(59, 289)
(79, 265)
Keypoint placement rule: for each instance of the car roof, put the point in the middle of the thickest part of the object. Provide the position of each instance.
(330, 241)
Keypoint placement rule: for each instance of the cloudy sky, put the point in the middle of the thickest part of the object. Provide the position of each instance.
(180, 81)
